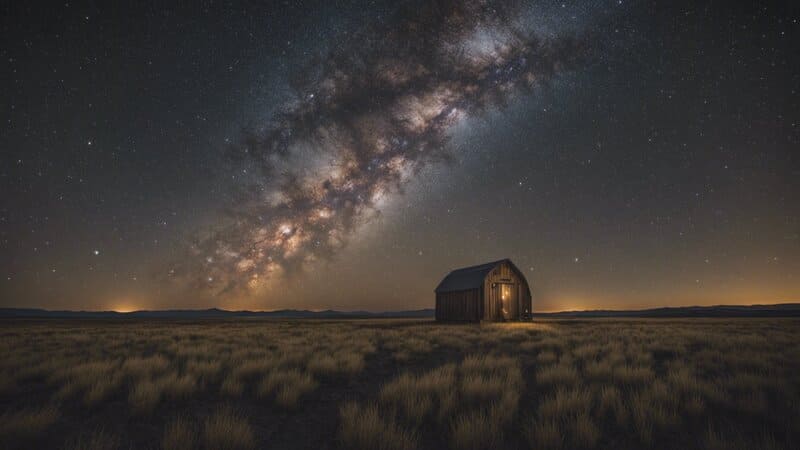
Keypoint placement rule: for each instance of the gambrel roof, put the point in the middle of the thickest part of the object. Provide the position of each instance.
(470, 277)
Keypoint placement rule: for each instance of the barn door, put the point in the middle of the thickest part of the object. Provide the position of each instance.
(508, 300)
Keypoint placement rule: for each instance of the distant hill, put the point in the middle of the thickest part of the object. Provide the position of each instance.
(778, 310)
(210, 314)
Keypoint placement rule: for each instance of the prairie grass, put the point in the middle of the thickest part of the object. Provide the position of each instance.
(560, 374)
(288, 386)
(473, 431)
(144, 396)
(602, 371)
(204, 369)
(479, 395)
(102, 388)
(97, 440)
(290, 393)
(174, 386)
(547, 357)
(733, 440)
(232, 386)
(137, 367)
(628, 375)
(342, 364)
(585, 433)
(179, 434)
(545, 434)
(552, 384)
(25, 425)
(565, 402)
(364, 428)
(228, 430)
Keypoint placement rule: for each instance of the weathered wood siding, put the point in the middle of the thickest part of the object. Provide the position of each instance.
(505, 274)
(460, 305)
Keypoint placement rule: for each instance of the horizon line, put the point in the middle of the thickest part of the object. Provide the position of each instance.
(357, 311)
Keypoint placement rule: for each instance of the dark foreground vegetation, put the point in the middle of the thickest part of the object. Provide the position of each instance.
(400, 384)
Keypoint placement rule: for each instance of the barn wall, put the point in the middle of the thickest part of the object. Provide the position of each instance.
(504, 273)
(458, 306)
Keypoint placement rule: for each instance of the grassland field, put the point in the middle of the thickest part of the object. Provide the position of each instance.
(400, 384)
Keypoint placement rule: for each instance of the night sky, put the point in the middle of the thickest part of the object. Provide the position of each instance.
(347, 155)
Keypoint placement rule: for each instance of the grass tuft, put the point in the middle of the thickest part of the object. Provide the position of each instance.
(228, 430)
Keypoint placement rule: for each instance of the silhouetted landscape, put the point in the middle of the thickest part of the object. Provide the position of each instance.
(776, 310)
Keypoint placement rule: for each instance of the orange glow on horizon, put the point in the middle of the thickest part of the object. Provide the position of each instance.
(126, 305)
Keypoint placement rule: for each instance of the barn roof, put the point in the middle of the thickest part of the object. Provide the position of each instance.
(468, 277)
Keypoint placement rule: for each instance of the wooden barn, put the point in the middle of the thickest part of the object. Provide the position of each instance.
(495, 291)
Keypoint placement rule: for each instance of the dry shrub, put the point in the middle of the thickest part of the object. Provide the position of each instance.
(448, 402)
(228, 430)
(629, 375)
(587, 351)
(405, 346)
(365, 429)
(565, 402)
(94, 374)
(144, 396)
(99, 440)
(641, 411)
(251, 369)
(475, 431)
(754, 403)
(174, 386)
(276, 379)
(488, 364)
(351, 363)
(7, 382)
(585, 433)
(682, 380)
(694, 405)
(552, 343)
(732, 440)
(232, 386)
(599, 370)
(545, 434)
(289, 386)
(479, 388)
(559, 374)
(137, 367)
(414, 396)
(206, 370)
(546, 357)
(289, 393)
(102, 388)
(610, 402)
(343, 363)
(27, 424)
(323, 365)
(179, 434)
(482, 393)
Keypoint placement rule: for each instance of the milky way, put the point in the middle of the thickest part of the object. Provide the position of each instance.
(363, 121)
